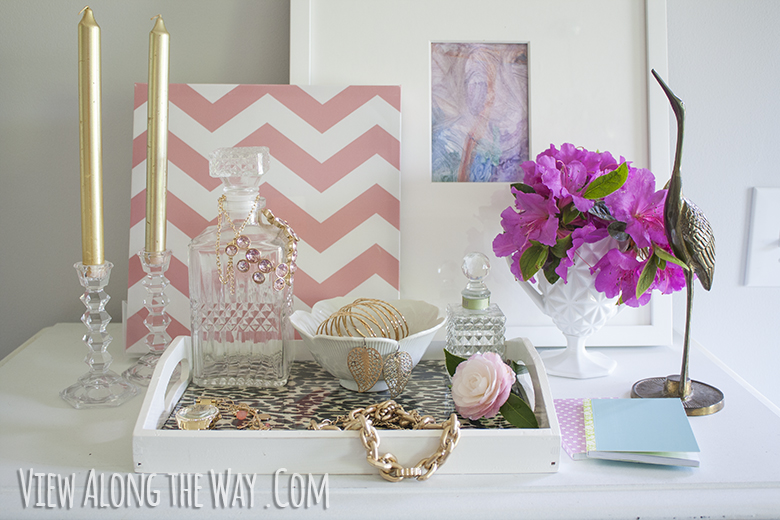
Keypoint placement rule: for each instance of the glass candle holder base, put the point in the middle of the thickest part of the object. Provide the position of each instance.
(100, 387)
(154, 264)
(99, 390)
(141, 373)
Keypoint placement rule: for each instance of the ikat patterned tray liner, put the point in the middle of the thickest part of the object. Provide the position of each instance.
(312, 393)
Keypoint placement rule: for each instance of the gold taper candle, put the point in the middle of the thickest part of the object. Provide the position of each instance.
(90, 144)
(157, 138)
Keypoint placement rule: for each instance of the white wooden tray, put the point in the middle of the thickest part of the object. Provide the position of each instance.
(510, 450)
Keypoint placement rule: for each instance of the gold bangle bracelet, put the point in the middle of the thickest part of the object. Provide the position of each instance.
(366, 318)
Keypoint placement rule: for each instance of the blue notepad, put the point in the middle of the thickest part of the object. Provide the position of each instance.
(654, 431)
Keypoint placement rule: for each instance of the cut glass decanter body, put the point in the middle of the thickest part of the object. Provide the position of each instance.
(475, 326)
(241, 284)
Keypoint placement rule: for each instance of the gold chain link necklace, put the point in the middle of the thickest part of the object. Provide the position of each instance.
(390, 414)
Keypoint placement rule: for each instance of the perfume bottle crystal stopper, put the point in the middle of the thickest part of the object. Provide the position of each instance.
(476, 267)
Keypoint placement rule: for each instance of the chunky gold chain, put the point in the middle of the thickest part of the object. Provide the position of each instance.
(390, 414)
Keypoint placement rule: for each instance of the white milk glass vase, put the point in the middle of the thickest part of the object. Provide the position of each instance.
(578, 310)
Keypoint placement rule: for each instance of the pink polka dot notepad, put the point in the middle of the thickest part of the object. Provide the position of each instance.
(572, 422)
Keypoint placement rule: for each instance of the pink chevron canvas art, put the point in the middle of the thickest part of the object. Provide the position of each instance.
(334, 176)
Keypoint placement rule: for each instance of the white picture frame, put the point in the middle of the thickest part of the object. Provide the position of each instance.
(589, 84)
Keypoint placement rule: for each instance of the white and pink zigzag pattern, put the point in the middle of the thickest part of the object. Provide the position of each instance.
(335, 158)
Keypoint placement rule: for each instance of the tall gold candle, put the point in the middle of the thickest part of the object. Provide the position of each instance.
(91, 154)
(157, 138)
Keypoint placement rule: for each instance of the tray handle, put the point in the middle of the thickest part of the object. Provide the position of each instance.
(169, 381)
(544, 407)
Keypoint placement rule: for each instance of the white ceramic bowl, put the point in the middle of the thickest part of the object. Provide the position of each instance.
(331, 352)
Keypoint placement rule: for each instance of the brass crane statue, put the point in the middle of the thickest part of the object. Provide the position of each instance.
(692, 241)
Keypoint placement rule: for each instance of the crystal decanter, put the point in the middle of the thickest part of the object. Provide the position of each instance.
(475, 326)
(241, 282)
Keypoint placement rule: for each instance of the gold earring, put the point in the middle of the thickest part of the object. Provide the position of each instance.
(365, 365)
(397, 370)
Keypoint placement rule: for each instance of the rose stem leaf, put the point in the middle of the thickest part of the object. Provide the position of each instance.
(517, 367)
(518, 413)
(452, 361)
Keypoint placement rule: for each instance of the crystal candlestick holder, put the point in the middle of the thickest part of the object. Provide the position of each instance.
(157, 320)
(100, 387)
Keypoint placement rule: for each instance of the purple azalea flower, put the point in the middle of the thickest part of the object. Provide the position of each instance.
(513, 238)
(670, 279)
(641, 207)
(533, 177)
(514, 267)
(566, 182)
(618, 273)
(537, 216)
(594, 162)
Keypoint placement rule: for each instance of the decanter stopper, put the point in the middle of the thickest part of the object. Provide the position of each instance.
(240, 167)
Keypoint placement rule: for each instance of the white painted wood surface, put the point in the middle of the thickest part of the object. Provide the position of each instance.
(738, 477)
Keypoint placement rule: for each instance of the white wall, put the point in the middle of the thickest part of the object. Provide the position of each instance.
(723, 62)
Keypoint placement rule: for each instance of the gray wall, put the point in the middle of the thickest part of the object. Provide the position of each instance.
(230, 41)
(723, 62)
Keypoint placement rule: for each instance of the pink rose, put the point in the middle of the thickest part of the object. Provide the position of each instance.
(481, 385)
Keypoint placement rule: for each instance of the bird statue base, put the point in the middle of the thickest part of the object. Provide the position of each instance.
(700, 398)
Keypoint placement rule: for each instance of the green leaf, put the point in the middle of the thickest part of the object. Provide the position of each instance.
(533, 259)
(663, 255)
(561, 246)
(452, 361)
(549, 270)
(569, 213)
(647, 277)
(601, 211)
(617, 230)
(518, 413)
(517, 368)
(606, 184)
(525, 188)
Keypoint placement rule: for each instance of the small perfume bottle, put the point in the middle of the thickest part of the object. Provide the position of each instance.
(476, 326)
